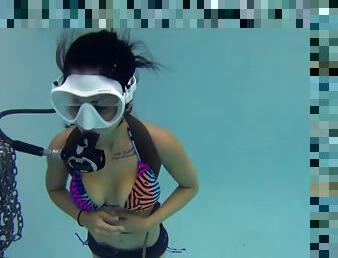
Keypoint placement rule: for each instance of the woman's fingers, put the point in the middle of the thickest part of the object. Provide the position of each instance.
(108, 229)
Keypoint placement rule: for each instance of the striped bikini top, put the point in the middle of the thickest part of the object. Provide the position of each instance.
(144, 194)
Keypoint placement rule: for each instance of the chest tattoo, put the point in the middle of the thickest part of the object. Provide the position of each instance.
(124, 154)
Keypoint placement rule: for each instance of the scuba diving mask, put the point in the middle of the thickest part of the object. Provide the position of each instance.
(91, 101)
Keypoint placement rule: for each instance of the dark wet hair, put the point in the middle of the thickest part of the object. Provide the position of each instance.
(102, 50)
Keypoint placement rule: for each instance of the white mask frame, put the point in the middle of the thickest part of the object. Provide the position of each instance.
(87, 85)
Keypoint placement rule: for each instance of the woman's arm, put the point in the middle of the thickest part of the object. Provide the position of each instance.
(56, 178)
(179, 166)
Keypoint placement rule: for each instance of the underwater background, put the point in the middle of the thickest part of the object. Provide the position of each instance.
(238, 100)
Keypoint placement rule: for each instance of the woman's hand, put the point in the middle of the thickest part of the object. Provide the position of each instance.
(129, 220)
(101, 224)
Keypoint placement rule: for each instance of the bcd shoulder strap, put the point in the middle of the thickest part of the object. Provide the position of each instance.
(144, 143)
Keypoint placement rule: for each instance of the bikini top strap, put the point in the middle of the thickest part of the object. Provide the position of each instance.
(133, 143)
(144, 143)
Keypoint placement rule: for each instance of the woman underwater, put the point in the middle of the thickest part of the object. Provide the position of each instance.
(118, 201)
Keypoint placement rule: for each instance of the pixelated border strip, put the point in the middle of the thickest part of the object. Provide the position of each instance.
(154, 14)
(320, 18)
(323, 129)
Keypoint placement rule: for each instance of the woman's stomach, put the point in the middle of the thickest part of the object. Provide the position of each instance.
(134, 240)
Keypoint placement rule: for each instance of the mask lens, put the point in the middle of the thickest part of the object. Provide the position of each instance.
(73, 110)
(105, 104)
(107, 112)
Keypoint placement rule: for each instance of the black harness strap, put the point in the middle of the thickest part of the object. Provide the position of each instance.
(144, 143)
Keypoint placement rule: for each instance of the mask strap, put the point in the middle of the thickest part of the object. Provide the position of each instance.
(58, 81)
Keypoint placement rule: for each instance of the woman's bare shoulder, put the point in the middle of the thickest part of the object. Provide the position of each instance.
(159, 135)
(152, 128)
(59, 140)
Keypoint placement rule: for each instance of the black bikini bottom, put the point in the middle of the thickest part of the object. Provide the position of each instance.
(154, 251)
